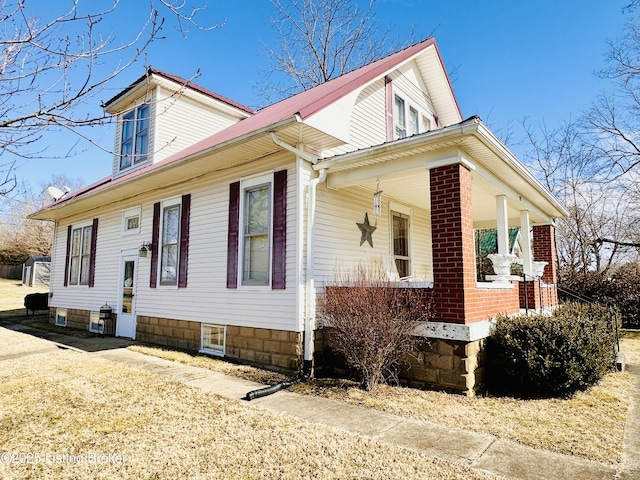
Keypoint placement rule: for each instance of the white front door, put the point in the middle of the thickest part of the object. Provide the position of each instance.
(126, 322)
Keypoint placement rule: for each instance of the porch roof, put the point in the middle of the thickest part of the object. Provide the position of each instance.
(402, 168)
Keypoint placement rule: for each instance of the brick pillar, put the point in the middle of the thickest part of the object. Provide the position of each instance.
(452, 241)
(544, 250)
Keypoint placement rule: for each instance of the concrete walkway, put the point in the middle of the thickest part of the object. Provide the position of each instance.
(481, 451)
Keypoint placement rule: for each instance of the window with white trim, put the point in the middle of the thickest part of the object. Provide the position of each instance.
(407, 119)
(95, 324)
(255, 213)
(399, 118)
(134, 136)
(169, 241)
(80, 254)
(131, 221)
(400, 241)
(214, 339)
(61, 317)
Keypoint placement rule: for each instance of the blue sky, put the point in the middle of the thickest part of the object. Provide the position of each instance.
(508, 60)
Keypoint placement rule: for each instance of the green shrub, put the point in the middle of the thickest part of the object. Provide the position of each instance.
(618, 286)
(551, 356)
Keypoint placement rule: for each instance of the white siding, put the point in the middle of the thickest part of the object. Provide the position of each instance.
(408, 84)
(338, 236)
(182, 121)
(368, 121)
(206, 298)
(176, 122)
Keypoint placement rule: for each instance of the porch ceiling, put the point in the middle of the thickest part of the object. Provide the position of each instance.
(402, 168)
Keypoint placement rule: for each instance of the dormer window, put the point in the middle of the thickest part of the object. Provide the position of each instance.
(134, 139)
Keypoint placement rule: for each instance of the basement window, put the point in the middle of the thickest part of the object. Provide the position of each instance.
(95, 325)
(61, 317)
(213, 339)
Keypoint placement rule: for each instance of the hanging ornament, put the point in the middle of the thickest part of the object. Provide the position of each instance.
(377, 201)
(367, 230)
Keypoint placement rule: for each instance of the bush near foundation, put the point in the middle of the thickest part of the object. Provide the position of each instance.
(551, 356)
(370, 322)
(617, 287)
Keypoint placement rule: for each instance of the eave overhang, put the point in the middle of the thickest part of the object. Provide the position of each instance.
(173, 172)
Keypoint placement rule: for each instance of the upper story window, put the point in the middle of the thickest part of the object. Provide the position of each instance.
(80, 255)
(407, 119)
(399, 118)
(134, 138)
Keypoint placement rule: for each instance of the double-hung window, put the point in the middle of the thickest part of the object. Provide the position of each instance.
(399, 118)
(80, 255)
(256, 231)
(169, 240)
(257, 235)
(134, 138)
(400, 242)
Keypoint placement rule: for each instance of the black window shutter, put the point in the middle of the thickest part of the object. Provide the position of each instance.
(232, 236)
(183, 257)
(92, 253)
(279, 260)
(155, 233)
(67, 258)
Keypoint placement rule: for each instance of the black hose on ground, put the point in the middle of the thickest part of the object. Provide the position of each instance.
(263, 392)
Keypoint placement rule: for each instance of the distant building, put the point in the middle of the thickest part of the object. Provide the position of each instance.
(36, 271)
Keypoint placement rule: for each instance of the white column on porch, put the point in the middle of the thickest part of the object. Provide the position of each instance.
(503, 224)
(525, 236)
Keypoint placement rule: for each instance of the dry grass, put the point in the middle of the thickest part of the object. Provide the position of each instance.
(67, 407)
(12, 294)
(630, 345)
(588, 425)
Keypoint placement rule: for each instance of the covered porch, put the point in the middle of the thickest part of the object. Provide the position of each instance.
(467, 181)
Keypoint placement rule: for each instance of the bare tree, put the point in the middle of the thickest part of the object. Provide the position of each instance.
(599, 207)
(20, 236)
(320, 40)
(50, 68)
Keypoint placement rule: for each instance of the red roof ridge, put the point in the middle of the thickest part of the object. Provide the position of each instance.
(184, 82)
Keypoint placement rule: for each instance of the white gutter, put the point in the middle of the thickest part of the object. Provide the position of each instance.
(310, 293)
(307, 156)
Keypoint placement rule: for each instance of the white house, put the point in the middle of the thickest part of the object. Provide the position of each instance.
(219, 224)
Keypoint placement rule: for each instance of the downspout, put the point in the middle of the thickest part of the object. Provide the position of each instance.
(310, 314)
(310, 310)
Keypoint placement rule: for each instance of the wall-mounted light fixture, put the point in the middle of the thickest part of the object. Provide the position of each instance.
(144, 248)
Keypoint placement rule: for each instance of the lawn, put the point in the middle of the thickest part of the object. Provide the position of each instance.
(590, 424)
(68, 415)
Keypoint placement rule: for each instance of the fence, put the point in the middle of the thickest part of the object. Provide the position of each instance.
(12, 272)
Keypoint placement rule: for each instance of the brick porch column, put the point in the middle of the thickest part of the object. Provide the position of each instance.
(452, 241)
(544, 250)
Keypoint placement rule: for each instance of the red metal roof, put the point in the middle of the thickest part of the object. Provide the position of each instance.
(313, 100)
(303, 104)
(181, 81)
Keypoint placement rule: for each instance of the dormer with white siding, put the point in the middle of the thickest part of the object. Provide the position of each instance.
(160, 114)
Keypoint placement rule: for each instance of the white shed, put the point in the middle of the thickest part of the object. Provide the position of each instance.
(36, 271)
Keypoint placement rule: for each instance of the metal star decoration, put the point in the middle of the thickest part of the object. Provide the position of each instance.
(367, 230)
